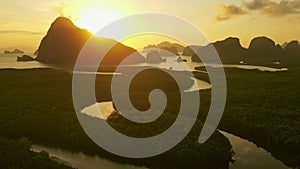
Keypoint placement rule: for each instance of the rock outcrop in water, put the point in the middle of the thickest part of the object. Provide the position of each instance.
(263, 49)
(167, 48)
(169, 51)
(154, 57)
(64, 41)
(291, 53)
(190, 50)
(229, 50)
(16, 51)
(25, 58)
(292, 49)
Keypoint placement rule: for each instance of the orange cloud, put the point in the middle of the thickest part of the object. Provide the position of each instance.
(270, 8)
(229, 11)
(266, 7)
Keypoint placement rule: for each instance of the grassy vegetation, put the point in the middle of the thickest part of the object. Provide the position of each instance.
(38, 104)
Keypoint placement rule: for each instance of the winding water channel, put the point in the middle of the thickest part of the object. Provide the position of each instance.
(247, 154)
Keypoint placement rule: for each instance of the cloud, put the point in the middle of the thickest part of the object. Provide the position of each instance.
(271, 8)
(3, 23)
(266, 7)
(229, 11)
(255, 4)
(19, 32)
(295, 4)
(61, 8)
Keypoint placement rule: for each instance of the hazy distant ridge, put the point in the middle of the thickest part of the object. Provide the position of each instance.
(261, 50)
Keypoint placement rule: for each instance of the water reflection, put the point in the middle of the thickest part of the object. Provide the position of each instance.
(251, 67)
(249, 156)
(189, 65)
(9, 61)
(199, 85)
(83, 161)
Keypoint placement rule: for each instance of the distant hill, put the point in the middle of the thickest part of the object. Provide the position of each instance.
(64, 41)
(167, 46)
(291, 53)
(190, 50)
(262, 50)
(16, 51)
(292, 49)
(229, 50)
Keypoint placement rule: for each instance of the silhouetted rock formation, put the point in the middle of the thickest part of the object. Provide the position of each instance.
(154, 57)
(229, 50)
(25, 58)
(263, 49)
(291, 53)
(284, 45)
(174, 48)
(63, 42)
(36, 53)
(292, 49)
(189, 50)
(168, 51)
(16, 51)
(7, 52)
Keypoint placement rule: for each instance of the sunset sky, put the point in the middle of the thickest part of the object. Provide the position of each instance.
(24, 23)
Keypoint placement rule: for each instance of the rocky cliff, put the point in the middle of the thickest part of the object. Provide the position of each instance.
(64, 41)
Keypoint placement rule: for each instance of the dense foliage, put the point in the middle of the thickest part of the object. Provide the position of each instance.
(263, 107)
(18, 154)
(38, 104)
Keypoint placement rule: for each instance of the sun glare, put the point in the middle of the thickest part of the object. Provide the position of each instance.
(94, 19)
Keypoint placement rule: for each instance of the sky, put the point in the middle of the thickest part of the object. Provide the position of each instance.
(23, 23)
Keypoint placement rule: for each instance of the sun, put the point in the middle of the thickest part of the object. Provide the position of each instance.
(93, 19)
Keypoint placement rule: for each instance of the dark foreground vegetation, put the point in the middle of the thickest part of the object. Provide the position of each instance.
(37, 104)
(18, 154)
(268, 111)
(263, 107)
